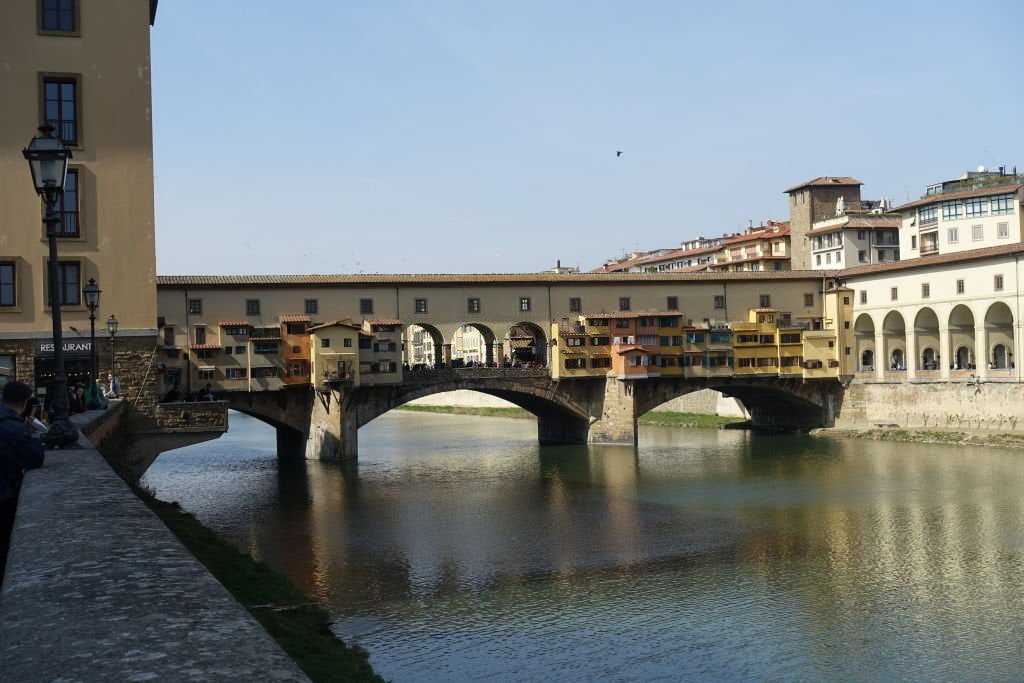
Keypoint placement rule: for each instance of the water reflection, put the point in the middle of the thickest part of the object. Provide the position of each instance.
(457, 548)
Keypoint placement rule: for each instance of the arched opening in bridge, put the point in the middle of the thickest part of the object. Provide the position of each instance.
(864, 336)
(894, 334)
(701, 407)
(424, 346)
(527, 346)
(926, 336)
(999, 330)
(472, 346)
(961, 337)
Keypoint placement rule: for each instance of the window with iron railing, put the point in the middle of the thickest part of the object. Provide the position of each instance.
(60, 107)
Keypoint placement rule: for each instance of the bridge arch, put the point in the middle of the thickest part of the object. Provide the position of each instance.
(418, 352)
(487, 342)
(961, 337)
(894, 335)
(527, 344)
(999, 330)
(926, 336)
(864, 334)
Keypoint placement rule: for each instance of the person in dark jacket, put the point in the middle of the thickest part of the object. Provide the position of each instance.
(19, 451)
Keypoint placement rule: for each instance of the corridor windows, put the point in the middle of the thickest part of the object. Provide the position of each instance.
(959, 286)
(312, 307)
(998, 283)
(863, 296)
(953, 235)
(366, 306)
(195, 306)
(672, 303)
(926, 290)
(524, 304)
(894, 293)
(420, 305)
(58, 16)
(719, 301)
(252, 306)
(575, 304)
(977, 206)
(977, 232)
(8, 284)
(473, 305)
(808, 300)
(764, 301)
(61, 107)
(623, 303)
(1002, 203)
(1002, 230)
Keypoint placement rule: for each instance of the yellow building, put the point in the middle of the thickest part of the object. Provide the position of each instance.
(335, 350)
(83, 67)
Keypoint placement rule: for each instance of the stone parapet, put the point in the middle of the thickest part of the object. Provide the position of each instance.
(97, 588)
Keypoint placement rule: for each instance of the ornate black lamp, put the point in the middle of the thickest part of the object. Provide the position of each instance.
(112, 331)
(92, 292)
(48, 160)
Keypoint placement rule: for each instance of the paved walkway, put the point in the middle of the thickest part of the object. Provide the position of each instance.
(97, 588)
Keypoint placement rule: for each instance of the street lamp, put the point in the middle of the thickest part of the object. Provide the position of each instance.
(92, 292)
(48, 160)
(112, 331)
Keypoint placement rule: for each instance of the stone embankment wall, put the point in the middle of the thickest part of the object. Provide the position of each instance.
(703, 402)
(990, 406)
(97, 588)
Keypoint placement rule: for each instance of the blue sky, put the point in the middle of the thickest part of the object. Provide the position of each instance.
(443, 136)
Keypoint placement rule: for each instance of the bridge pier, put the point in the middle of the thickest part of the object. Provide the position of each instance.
(613, 412)
(333, 431)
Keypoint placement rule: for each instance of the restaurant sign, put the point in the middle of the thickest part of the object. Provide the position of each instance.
(71, 348)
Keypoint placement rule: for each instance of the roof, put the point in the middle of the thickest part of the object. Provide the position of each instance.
(860, 223)
(384, 321)
(616, 314)
(296, 318)
(826, 180)
(636, 348)
(204, 346)
(980, 192)
(659, 258)
(235, 323)
(926, 261)
(767, 233)
(347, 322)
(442, 279)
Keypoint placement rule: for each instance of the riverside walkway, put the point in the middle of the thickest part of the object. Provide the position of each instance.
(97, 588)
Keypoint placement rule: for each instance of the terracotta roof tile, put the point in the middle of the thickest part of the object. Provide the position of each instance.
(860, 223)
(347, 322)
(926, 261)
(204, 346)
(294, 318)
(235, 323)
(342, 280)
(827, 180)
(981, 192)
(384, 321)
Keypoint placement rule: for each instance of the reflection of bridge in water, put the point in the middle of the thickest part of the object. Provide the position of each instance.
(323, 422)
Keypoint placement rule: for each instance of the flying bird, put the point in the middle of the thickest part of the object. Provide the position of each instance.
(618, 154)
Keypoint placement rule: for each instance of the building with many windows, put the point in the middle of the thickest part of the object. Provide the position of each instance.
(762, 247)
(978, 209)
(82, 67)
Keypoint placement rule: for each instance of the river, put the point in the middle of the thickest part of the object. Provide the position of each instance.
(458, 549)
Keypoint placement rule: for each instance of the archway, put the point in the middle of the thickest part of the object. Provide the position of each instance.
(424, 346)
(472, 345)
(894, 333)
(864, 336)
(527, 345)
(926, 335)
(961, 337)
(999, 329)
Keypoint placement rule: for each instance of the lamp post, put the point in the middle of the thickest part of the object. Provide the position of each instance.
(112, 331)
(92, 292)
(48, 160)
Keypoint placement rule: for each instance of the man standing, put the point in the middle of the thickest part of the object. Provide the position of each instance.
(19, 451)
(113, 386)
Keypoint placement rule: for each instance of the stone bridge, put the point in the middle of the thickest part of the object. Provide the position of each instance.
(323, 423)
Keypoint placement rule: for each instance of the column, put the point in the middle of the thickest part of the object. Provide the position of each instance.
(488, 354)
(910, 357)
(945, 355)
(1018, 351)
(447, 355)
(881, 360)
(981, 354)
(499, 354)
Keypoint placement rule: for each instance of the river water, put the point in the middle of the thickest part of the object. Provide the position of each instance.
(458, 549)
